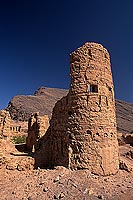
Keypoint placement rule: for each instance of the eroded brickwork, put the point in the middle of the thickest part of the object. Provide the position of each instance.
(82, 132)
(4, 123)
(37, 126)
(9, 127)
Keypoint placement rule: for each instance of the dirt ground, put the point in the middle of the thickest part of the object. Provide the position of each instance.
(62, 183)
(19, 181)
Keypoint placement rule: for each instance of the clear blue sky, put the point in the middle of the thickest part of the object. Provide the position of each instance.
(37, 36)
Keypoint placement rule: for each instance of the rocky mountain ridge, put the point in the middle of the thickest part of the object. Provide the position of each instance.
(124, 114)
(44, 99)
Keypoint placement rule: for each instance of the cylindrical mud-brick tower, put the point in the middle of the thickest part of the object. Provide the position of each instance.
(82, 132)
(92, 109)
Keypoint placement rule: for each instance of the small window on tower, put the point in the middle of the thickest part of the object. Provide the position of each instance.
(94, 88)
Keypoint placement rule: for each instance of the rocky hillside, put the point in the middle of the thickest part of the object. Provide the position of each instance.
(124, 113)
(44, 99)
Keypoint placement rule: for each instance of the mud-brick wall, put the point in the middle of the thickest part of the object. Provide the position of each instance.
(37, 126)
(4, 123)
(82, 132)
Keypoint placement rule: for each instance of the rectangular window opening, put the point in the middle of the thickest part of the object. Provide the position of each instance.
(94, 88)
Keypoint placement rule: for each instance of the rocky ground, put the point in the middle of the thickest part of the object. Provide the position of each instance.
(19, 181)
(62, 183)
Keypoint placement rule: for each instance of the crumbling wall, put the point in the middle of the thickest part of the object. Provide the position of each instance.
(37, 126)
(18, 127)
(9, 127)
(82, 132)
(4, 123)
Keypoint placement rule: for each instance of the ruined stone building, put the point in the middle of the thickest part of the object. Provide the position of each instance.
(82, 132)
(9, 127)
(37, 126)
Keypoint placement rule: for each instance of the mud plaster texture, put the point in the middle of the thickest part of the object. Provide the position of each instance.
(9, 127)
(37, 126)
(82, 132)
(4, 123)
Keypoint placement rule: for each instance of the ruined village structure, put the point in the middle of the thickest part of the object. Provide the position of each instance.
(82, 132)
(9, 127)
(37, 126)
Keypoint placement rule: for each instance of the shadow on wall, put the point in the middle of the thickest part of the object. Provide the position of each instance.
(42, 159)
